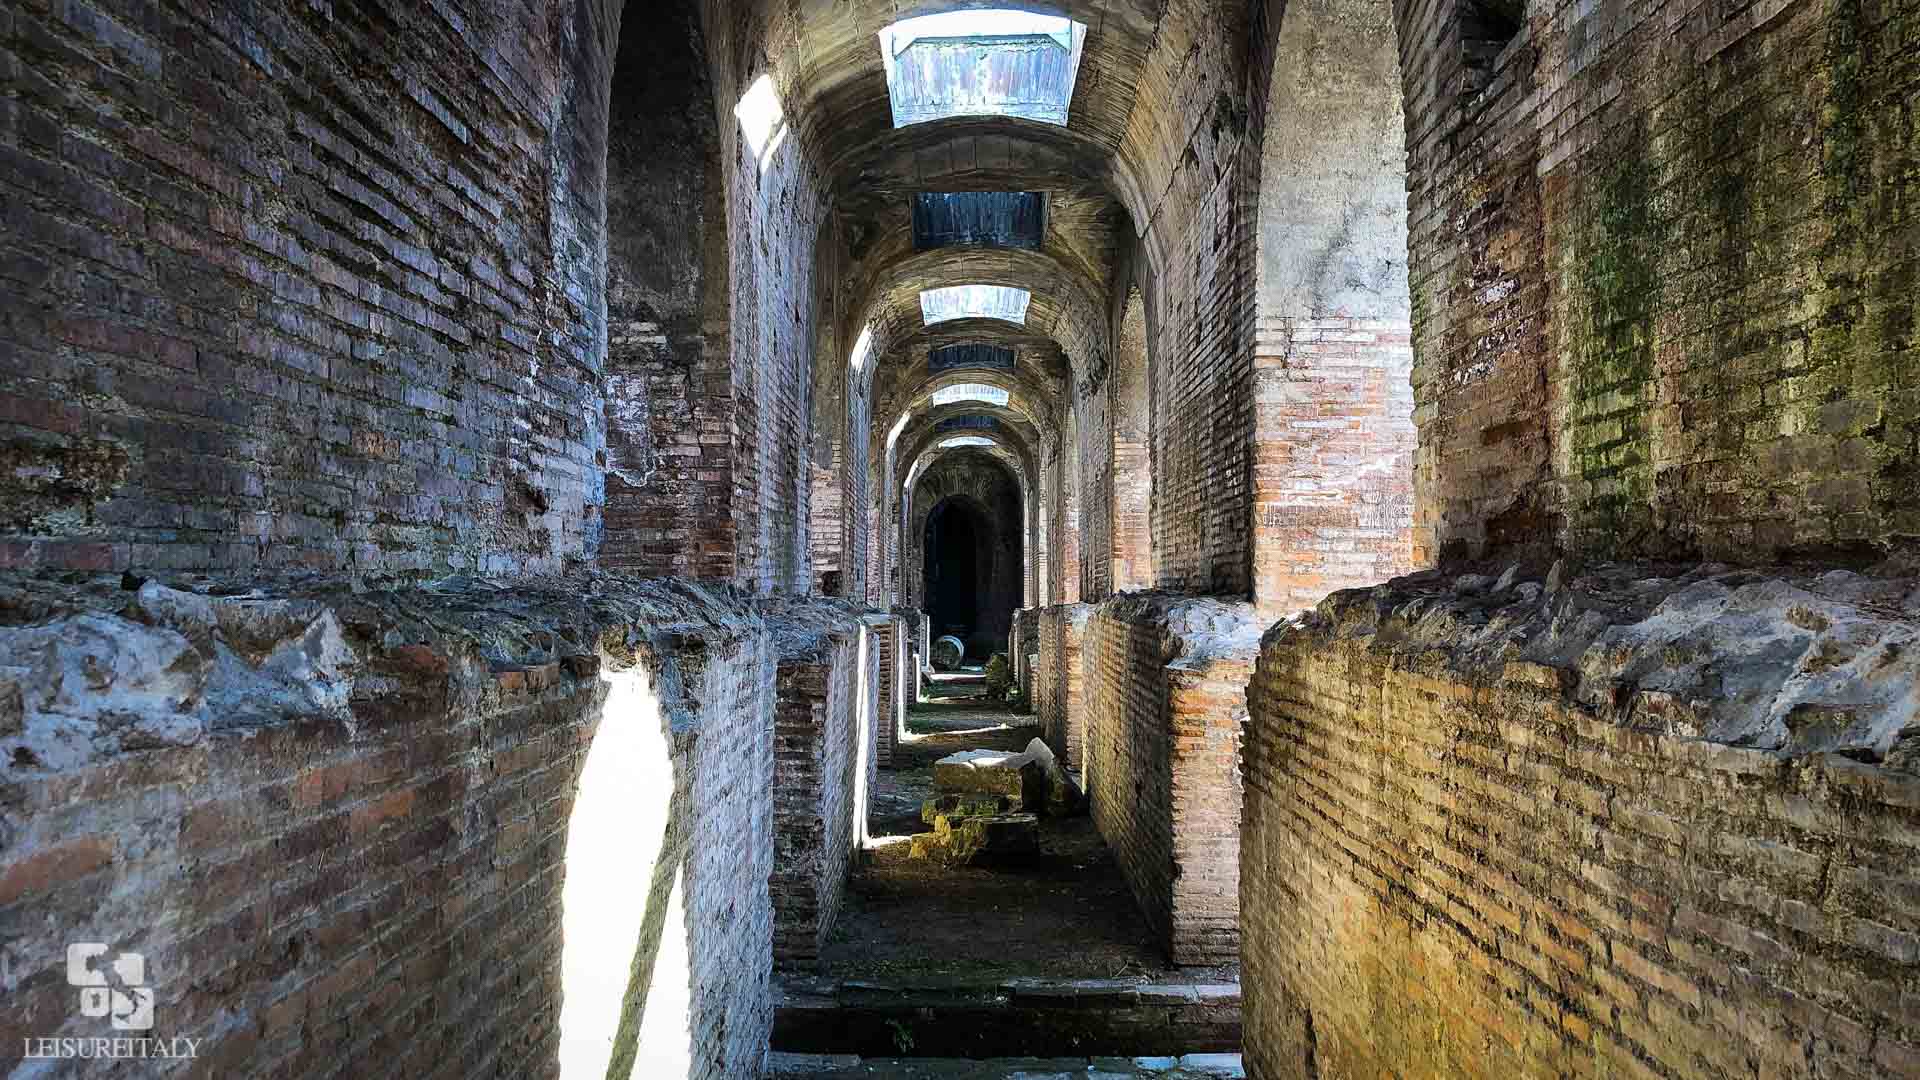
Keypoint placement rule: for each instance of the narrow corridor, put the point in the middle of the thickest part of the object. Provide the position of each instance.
(1034, 958)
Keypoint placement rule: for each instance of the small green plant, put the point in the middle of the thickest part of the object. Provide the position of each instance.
(902, 1037)
(999, 677)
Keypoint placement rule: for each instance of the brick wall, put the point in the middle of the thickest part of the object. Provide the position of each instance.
(1333, 406)
(280, 277)
(1657, 309)
(667, 385)
(305, 288)
(1164, 703)
(1058, 684)
(823, 712)
(1540, 867)
(377, 831)
(893, 654)
(1025, 654)
(1130, 481)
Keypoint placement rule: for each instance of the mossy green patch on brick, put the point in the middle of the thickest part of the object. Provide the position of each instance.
(1614, 288)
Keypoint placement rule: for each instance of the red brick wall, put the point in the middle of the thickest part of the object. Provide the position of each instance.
(1130, 478)
(279, 278)
(1334, 435)
(1058, 686)
(1164, 702)
(350, 853)
(1480, 876)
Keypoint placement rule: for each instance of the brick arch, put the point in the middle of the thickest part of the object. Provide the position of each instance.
(986, 484)
(1332, 455)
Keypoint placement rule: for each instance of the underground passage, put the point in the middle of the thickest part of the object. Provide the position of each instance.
(959, 539)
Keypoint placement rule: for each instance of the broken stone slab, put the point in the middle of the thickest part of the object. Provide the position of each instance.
(993, 772)
(964, 841)
(1063, 795)
(961, 806)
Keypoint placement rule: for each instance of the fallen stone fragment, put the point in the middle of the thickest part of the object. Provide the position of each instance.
(1063, 795)
(962, 841)
(993, 772)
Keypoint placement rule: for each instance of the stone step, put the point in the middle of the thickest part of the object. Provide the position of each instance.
(848, 1067)
(1047, 1017)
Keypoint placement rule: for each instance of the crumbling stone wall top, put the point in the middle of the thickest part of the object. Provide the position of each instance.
(1790, 661)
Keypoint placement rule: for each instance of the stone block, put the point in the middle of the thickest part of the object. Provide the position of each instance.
(963, 806)
(960, 841)
(993, 772)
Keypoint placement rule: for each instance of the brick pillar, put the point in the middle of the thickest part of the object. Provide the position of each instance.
(1058, 680)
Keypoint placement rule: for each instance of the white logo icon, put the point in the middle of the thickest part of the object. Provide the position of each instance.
(129, 1003)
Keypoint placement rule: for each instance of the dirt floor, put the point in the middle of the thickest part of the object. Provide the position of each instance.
(1067, 914)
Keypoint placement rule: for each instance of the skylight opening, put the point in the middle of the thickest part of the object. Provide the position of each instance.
(982, 63)
(1013, 219)
(975, 302)
(762, 120)
(969, 354)
(965, 440)
(992, 395)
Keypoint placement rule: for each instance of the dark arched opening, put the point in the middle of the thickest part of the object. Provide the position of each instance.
(957, 567)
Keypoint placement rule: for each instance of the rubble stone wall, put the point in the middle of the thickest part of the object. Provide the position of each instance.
(339, 825)
(1500, 828)
(1164, 703)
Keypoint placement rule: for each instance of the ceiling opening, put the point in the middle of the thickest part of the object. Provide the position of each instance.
(982, 63)
(1012, 219)
(966, 440)
(992, 395)
(974, 302)
(973, 422)
(969, 354)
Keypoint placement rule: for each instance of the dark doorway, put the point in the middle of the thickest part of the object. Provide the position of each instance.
(956, 568)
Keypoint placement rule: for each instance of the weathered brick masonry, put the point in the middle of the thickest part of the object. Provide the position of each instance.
(303, 287)
(1659, 308)
(1165, 698)
(339, 825)
(279, 278)
(893, 649)
(1499, 831)
(1058, 684)
(823, 730)
(1024, 651)
(1333, 436)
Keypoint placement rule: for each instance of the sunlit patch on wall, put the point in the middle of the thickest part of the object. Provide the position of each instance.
(974, 302)
(863, 348)
(982, 63)
(762, 120)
